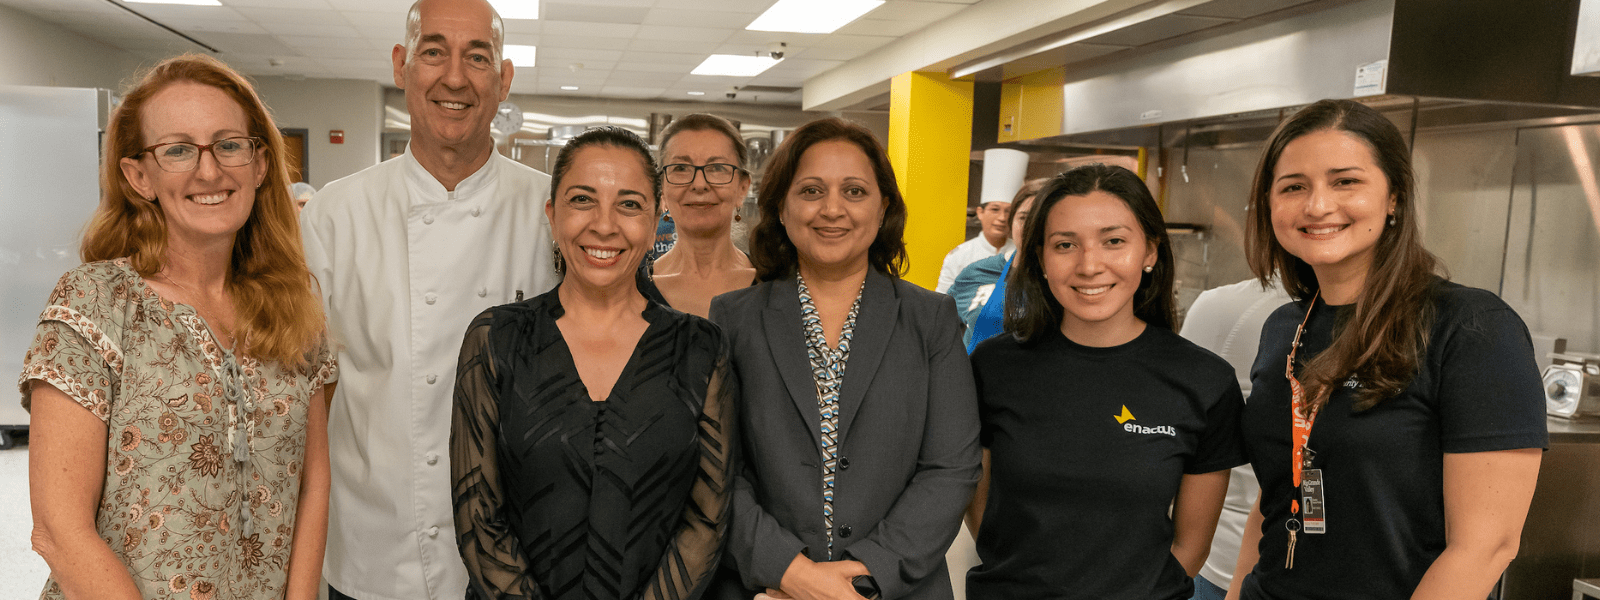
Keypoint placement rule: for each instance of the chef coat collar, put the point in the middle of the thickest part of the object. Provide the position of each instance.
(423, 182)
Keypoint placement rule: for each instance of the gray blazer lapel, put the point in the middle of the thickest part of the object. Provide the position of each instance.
(880, 310)
(781, 319)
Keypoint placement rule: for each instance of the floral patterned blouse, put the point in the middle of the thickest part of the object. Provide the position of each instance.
(201, 485)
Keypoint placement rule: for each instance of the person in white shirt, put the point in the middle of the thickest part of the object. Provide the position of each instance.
(1003, 173)
(1227, 320)
(405, 253)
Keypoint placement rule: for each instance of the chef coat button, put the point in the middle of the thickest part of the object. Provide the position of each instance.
(476, 211)
(844, 531)
(433, 532)
(427, 220)
(433, 378)
(433, 459)
(430, 298)
(483, 292)
(844, 463)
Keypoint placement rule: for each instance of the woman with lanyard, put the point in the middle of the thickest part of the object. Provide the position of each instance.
(1396, 418)
(1107, 438)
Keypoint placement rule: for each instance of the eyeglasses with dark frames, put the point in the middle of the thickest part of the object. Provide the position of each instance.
(182, 157)
(716, 173)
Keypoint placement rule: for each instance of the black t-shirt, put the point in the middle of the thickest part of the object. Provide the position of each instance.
(1087, 448)
(1477, 390)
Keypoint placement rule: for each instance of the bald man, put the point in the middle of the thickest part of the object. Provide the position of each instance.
(406, 252)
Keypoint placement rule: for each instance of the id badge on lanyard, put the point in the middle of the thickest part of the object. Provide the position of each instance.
(1314, 519)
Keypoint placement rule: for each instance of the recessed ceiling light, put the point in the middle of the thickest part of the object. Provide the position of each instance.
(812, 16)
(516, 9)
(521, 56)
(185, 2)
(697, 93)
(734, 65)
(570, 88)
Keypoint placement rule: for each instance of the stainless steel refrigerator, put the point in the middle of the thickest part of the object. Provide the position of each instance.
(50, 142)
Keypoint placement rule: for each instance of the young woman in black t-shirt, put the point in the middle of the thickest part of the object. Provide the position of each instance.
(1396, 418)
(1097, 419)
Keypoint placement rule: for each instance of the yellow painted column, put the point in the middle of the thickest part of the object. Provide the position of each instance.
(930, 148)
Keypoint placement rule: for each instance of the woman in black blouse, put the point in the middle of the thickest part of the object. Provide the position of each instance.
(1396, 418)
(1107, 438)
(590, 447)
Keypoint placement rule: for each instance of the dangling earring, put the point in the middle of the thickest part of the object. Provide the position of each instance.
(1149, 268)
(1391, 219)
(737, 217)
(560, 263)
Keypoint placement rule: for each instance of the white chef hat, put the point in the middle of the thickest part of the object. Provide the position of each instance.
(1004, 170)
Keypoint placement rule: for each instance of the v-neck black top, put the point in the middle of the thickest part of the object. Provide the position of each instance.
(560, 496)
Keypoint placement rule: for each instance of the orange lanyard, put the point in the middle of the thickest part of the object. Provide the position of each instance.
(1302, 421)
(1299, 416)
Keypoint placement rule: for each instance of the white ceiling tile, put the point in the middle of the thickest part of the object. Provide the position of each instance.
(357, 64)
(287, 4)
(632, 92)
(174, 12)
(601, 30)
(668, 32)
(666, 59)
(755, 6)
(315, 29)
(862, 43)
(645, 77)
(580, 54)
(912, 10)
(283, 15)
(699, 18)
(703, 48)
(561, 41)
(592, 13)
(399, 7)
(881, 27)
(526, 39)
(369, 17)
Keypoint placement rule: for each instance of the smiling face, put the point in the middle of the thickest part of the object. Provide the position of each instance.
(211, 201)
(1330, 202)
(452, 82)
(603, 216)
(833, 208)
(995, 219)
(699, 206)
(1094, 257)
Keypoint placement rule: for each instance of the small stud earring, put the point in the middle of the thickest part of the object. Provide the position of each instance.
(1391, 219)
(1149, 268)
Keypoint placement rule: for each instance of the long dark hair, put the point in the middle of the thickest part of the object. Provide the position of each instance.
(1031, 310)
(773, 253)
(1383, 340)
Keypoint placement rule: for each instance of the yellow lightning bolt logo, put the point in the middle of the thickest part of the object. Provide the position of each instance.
(1125, 416)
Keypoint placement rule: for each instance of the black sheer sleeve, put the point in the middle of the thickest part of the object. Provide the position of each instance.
(496, 567)
(687, 566)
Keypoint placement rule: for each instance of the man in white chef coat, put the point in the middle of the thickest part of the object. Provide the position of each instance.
(406, 253)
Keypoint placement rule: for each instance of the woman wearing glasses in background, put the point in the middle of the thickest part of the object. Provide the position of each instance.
(1397, 418)
(703, 160)
(176, 381)
(592, 437)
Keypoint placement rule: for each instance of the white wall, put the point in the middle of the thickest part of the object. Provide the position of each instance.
(42, 53)
(321, 105)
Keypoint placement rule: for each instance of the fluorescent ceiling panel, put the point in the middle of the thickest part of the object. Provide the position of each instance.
(570, 88)
(185, 2)
(516, 9)
(521, 56)
(812, 16)
(734, 65)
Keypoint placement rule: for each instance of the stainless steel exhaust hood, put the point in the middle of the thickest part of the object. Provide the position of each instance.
(1504, 52)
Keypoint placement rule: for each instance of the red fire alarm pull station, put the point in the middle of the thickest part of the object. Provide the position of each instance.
(336, 136)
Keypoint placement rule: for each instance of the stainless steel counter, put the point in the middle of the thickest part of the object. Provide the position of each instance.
(1567, 431)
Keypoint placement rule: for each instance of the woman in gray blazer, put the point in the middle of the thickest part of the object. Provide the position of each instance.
(862, 431)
